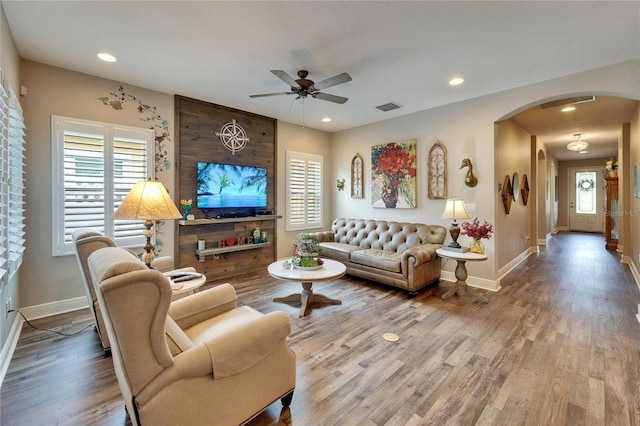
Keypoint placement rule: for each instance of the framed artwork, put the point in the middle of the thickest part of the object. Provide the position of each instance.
(357, 177)
(437, 164)
(636, 180)
(393, 175)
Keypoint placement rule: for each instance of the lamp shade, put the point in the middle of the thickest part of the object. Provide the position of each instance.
(455, 209)
(148, 200)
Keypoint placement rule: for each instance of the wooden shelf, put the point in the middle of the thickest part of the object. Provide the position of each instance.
(229, 249)
(227, 220)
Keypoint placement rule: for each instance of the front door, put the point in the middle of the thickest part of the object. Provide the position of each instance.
(586, 208)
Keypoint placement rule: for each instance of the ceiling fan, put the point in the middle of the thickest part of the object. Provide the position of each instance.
(303, 86)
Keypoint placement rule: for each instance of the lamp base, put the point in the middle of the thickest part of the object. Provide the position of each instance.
(456, 249)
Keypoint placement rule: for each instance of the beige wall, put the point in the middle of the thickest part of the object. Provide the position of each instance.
(513, 155)
(55, 91)
(295, 138)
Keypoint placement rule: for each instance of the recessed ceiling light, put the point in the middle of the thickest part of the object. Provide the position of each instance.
(456, 81)
(326, 120)
(568, 109)
(107, 57)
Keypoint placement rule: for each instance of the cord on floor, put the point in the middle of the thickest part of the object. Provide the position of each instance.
(46, 329)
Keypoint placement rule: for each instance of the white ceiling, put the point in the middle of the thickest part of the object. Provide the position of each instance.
(396, 51)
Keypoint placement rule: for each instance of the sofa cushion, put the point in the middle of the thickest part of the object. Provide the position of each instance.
(381, 259)
(338, 251)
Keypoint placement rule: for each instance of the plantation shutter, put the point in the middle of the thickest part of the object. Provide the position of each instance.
(95, 166)
(304, 191)
(4, 182)
(16, 185)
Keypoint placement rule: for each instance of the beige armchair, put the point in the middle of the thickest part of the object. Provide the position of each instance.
(199, 360)
(86, 241)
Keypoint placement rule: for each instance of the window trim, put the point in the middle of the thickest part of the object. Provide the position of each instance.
(306, 158)
(111, 134)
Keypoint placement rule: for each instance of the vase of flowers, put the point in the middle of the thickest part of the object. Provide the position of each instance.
(186, 207)
(477, 231)
(611, 167)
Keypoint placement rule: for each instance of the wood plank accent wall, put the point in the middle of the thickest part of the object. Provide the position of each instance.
(197, 123)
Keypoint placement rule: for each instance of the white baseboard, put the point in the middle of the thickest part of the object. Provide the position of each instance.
(472, 281)
(502, 272)
(54, 308)
(563, 228)
(10, 346)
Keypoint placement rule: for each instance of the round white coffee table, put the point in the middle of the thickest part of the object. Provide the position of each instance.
(331, 269)
(461, 272)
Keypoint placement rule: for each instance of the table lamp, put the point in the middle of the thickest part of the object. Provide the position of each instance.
(455, 209)
(148, 201)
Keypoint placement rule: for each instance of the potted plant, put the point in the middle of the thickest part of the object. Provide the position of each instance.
(477, 231)
(307, 252)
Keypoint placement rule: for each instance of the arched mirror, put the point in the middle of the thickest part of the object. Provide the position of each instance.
(515, 183)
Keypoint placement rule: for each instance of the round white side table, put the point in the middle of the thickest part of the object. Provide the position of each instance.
(461, 272)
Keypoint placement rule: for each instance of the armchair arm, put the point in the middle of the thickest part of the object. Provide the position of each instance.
(195, 362)
(203, 305)
(235, 350)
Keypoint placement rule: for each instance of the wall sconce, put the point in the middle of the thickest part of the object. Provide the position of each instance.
(340, 184)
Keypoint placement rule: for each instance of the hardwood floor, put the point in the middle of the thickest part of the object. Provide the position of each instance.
(558, 345)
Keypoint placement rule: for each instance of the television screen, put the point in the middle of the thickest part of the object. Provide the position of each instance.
(231, 186)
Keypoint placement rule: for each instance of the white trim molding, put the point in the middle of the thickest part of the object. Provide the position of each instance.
(502, 272)
(55, 308)
(10, 346)
(476, 282)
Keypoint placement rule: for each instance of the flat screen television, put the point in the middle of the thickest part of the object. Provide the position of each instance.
(229, 186)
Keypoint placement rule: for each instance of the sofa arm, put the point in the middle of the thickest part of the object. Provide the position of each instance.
(236, 350)
(420, 254)
(198, 307)
(322, 236)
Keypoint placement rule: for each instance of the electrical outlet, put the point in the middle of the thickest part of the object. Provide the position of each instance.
(471, 207)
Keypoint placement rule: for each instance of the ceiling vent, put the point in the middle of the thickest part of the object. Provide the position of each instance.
(567, 101)
(388, 107)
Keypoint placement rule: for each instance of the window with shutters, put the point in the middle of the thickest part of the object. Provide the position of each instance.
(95, 165)
(12, 148)
(304, 191)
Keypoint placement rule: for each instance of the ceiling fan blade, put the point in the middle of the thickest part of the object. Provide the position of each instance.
(331, 98)
(285, 77)
(333, 81)
(270, 94)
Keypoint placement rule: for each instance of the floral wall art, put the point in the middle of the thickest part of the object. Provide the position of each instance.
(393, 171)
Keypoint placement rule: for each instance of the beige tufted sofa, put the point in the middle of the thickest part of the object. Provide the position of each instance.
(395, 253)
